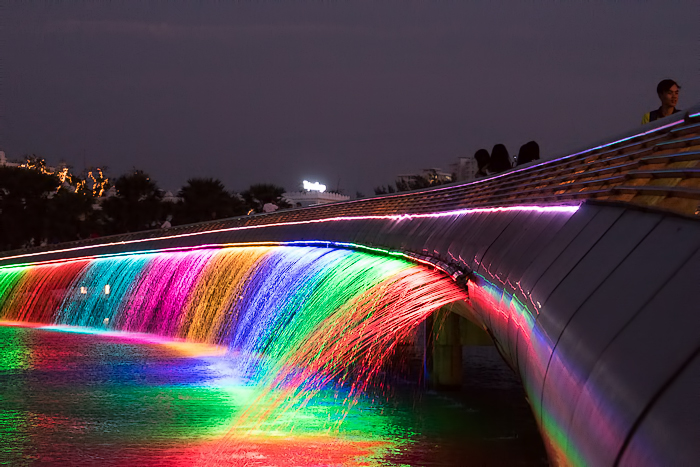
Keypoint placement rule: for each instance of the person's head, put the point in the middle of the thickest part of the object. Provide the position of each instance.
(482, 158)
(668, 92)
(500, 159)
(529, 152)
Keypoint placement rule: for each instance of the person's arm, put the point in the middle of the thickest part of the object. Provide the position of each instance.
(645, 118)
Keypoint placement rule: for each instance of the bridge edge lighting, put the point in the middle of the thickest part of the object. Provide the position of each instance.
(571, 209)
(542, 163)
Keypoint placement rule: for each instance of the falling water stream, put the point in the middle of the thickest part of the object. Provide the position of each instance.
(234, 356)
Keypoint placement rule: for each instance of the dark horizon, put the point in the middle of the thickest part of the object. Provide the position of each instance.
(350, 95)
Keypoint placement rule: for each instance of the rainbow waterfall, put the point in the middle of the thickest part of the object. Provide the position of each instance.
(297, 318)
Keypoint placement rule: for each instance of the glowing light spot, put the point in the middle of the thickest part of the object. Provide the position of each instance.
(315, 186)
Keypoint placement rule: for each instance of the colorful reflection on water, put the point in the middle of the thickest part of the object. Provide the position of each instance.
(116, 399)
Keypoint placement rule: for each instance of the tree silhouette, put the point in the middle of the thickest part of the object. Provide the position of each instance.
(70, 215)
(24, 203)
(136, 206)
(383, 190)
(205, 199)
(415, 182)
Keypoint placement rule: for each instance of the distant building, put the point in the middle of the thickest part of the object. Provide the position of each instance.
(464, 169)
(5, 163)
(434, 176)
(311, 198)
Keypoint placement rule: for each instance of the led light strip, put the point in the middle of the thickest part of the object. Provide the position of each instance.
(400, 217)
(544, 162)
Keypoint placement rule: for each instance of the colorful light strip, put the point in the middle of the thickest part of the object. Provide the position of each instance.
(181, 345)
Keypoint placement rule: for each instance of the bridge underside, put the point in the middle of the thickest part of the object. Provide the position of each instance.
(588, 305)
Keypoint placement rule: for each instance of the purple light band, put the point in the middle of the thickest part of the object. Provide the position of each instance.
(400, 217)
(548, 161)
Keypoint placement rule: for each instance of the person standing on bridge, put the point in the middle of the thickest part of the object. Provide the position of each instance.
(529, 152)
(500, 159)
(667, 90)
(482, 162)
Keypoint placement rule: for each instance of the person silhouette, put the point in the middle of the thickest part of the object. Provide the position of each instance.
(482, 161)
(529, 152)
(500, 159)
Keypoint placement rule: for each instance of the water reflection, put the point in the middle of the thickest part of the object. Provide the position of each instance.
(76, 399)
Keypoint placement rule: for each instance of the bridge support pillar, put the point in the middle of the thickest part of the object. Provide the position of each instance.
(446, 331)
(447, 351)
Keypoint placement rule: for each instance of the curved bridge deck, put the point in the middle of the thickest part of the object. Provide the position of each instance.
(584, 270)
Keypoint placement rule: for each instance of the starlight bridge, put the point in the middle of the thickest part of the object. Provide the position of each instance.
(551, 258)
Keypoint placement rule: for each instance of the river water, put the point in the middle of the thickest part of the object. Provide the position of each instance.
(68, 398)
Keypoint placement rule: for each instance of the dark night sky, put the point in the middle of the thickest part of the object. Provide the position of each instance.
(350, 93)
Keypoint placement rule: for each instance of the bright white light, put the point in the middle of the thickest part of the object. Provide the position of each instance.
(83, 290)
(107, 289)
(315, 186)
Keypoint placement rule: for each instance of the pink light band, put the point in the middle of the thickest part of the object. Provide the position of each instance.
(551, 209)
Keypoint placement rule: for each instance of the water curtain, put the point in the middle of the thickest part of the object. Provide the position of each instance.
(298, 319)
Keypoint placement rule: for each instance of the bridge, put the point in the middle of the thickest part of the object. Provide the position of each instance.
(583, 270)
